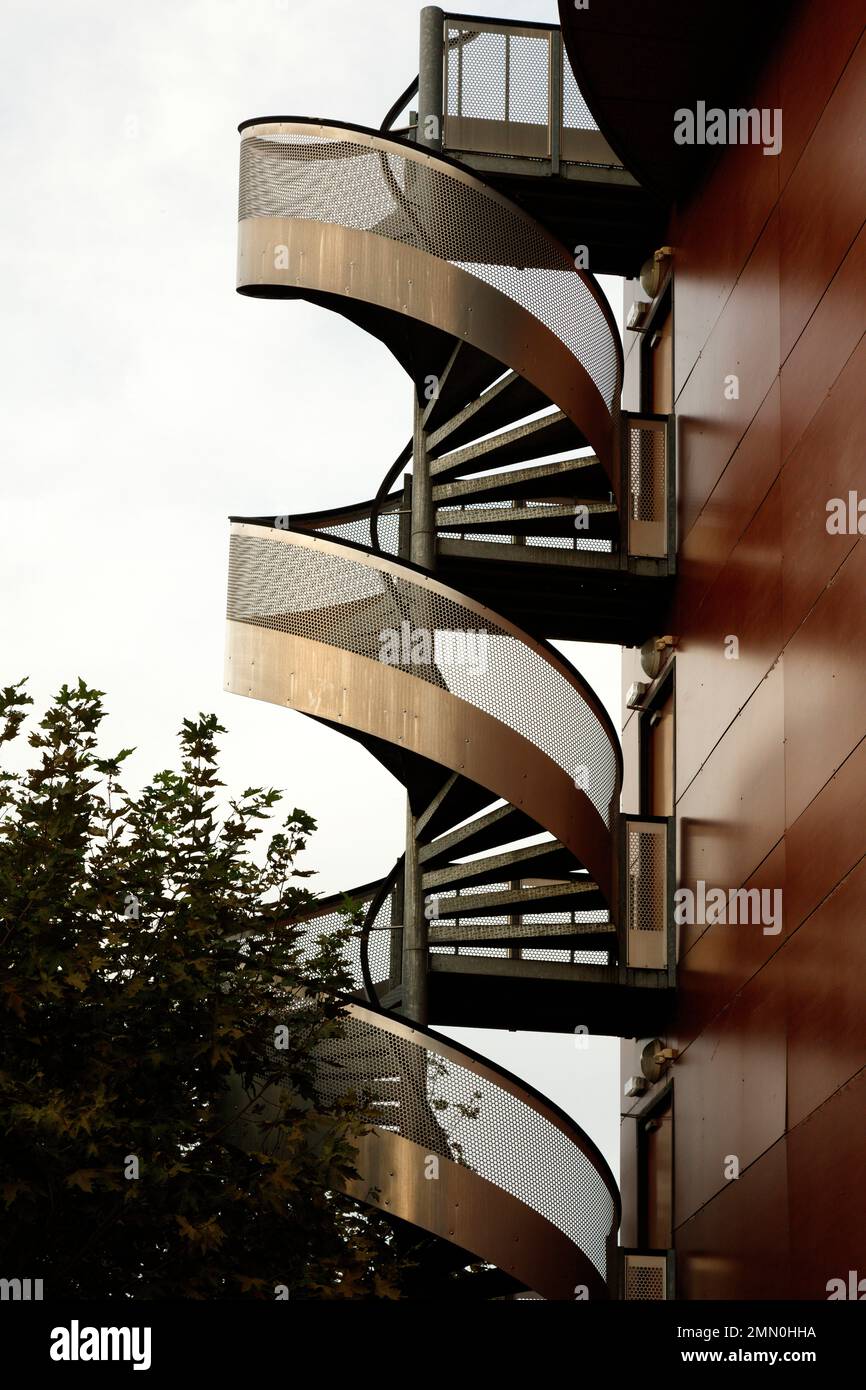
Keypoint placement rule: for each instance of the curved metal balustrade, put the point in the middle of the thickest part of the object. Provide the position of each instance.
(455, 1151)
(323, 207)
(381, 648)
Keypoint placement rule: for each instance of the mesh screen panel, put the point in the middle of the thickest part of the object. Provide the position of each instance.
(498, 76)
(566, 957)
(529, 78)
(647, 465)
(646, 880)
(645, 1279)
(359, 530)
(501, 75)
(344, 183)
(576, 115)
(338, 600)
(423, 1095)
(477, 64)
(379, 941)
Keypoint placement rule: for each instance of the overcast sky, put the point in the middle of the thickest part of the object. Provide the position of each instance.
(144, 400)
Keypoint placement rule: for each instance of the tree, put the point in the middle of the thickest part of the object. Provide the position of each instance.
(148, 953)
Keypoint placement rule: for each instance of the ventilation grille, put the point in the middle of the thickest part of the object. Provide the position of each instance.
(647, 470)
(646, 1278)
(646, 879)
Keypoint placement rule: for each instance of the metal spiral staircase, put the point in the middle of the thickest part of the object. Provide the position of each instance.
(417, 623)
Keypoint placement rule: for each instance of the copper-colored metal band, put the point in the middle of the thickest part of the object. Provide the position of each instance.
(363, 266)
(394, 705)
(473, 1213)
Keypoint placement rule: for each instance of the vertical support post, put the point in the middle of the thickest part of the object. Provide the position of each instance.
(514, 920)
(415, 933)
(415, 936)
(395, 958)
(404, 529)
(431, 64)
(423, 547)
(555, 108)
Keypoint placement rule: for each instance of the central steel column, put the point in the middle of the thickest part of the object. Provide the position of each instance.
(415, 1005)
(431, 66)
(423, 543)
(415, 935)
(431, 73)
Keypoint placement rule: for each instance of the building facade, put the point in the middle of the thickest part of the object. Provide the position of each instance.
(746, 1156)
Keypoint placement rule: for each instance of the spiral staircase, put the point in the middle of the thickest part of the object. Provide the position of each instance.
(418, 624)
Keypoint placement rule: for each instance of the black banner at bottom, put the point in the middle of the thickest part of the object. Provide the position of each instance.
(223, 1339)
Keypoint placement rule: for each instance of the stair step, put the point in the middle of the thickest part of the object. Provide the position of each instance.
(552, 434)
(464, 377)
(501, 826)
(504, 403)
(436, 805)
(573, 895)
(447, 808)
(550, 857)
(521, 974)
(486, 584)
(539, 480)
(581, 936)
(550, 519)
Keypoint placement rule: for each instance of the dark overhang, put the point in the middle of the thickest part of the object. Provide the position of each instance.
(637, 62)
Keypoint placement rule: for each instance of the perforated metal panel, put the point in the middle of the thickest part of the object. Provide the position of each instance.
(323, 922)
(646, 1278)
(456, 522)
(576, 115)
(461, 1112)
(566, 957)
(647, 482)
(646, 893)
(359, 530)
(498, 74)
(419, 203)
(338, 599)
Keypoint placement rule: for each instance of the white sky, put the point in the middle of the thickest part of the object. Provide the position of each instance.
(144, 400)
